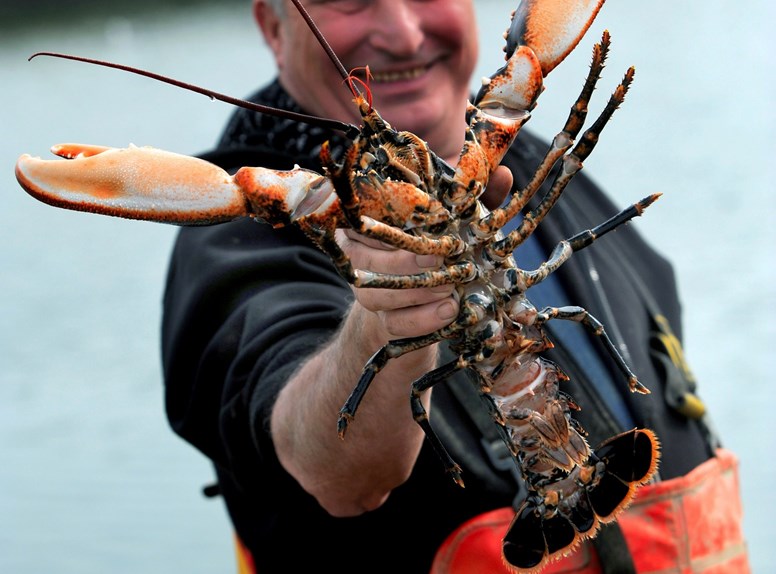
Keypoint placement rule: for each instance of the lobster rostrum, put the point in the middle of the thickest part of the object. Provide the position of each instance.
(389, 185)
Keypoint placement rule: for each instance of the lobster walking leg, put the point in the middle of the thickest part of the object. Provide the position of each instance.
(594, 326)
(438, 375)
(392, 350)
(564, 249)
(571, 164)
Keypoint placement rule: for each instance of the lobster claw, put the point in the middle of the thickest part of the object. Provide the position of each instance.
(155, 185)
(135, 183)
(540, 36)
(551, 29)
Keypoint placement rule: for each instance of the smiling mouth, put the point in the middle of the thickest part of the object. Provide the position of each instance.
(411, 74)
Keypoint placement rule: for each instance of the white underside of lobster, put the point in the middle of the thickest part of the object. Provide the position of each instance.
(389, 185)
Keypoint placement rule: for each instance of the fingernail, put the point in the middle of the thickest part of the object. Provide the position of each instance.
(447, 310)
(428, 261)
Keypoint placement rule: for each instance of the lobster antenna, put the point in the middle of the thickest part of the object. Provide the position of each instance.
(326, 46)
(348, 129)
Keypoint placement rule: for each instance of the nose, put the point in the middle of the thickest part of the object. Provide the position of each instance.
(398, 27)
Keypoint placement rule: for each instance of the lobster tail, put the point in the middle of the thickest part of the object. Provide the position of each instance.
(558, 515)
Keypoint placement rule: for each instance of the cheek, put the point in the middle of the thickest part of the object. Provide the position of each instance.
(302, 50)
(451, 20)
(452, 24)
(346, 36)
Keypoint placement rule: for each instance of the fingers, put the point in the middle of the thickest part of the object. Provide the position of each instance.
(402, 312)
(419, 320)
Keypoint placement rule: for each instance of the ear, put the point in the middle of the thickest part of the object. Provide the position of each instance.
(270, 25)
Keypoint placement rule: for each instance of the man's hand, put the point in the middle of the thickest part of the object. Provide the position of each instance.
(403, 312)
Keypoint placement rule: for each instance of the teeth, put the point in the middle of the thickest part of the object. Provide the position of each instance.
(397, 76)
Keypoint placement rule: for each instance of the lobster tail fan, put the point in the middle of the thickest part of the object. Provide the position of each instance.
(533, 536)
(582, 516)
(559, 534)
(610, 495)
(549, 526)
(630, 460)
(524, 545)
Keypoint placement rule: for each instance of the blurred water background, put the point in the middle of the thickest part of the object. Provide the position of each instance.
(91, 478)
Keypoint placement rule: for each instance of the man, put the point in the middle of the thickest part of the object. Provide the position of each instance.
(263, 341)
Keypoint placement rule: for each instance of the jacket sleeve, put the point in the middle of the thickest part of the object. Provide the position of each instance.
(244, 305)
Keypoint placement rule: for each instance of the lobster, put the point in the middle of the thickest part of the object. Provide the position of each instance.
(390, 186)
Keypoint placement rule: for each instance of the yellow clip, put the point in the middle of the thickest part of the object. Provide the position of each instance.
(691, 406)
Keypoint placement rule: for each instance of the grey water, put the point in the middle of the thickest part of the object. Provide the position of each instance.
(91, 478)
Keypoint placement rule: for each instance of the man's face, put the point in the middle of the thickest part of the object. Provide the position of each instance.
(421, 54)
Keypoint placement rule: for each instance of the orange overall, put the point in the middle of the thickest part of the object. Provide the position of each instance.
(689, 524)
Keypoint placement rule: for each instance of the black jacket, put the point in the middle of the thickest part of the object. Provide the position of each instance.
(246, 303)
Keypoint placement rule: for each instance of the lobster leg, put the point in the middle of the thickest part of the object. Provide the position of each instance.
(594, 326)
(391, 350)
(572, 163)
(461, 272)
(564, 249)
(441, 375)
(438, 375)
(447, 245)
(560, 255)
(467, 317)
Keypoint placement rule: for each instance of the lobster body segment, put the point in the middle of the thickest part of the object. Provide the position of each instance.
(390, 186)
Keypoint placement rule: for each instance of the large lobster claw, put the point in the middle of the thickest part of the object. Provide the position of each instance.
(155, 185)
(135, 182)
(541, 35)
(551, 29)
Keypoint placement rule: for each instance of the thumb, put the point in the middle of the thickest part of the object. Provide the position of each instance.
(498, 187)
